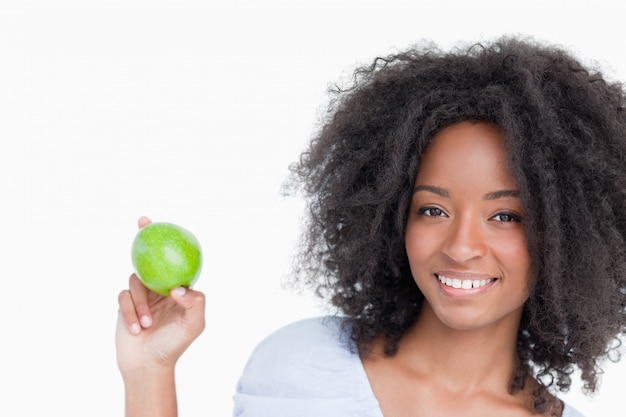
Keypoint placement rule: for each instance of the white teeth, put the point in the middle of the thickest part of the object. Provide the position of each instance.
(465, 284)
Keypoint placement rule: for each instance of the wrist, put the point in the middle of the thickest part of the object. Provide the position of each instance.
(150, 392)
(148, 373)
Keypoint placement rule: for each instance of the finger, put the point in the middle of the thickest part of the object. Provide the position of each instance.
(194, 303)
(128, 312)
(143, 221)
(139, 294)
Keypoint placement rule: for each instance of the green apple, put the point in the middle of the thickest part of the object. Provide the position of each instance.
(166, 256)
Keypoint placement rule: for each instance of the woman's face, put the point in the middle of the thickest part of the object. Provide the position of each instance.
(465, 236)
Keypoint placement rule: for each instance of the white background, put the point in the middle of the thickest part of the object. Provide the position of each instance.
(190, 112)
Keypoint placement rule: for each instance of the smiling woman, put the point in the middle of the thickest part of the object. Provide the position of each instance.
(465, 240)
(468, 221)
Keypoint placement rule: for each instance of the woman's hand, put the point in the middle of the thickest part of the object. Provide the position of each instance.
(153, 331)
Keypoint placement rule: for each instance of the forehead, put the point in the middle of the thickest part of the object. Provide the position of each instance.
(467, 151)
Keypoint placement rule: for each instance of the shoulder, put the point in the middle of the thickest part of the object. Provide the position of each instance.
(569, 411)
(292, 360)
(318, 331)
(307, 369)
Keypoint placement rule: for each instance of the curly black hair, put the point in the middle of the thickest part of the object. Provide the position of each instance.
(565, 132)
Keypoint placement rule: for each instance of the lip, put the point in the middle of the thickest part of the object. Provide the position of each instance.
(478, 284)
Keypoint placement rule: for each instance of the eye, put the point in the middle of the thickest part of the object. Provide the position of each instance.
(431, 212)
(507, 218)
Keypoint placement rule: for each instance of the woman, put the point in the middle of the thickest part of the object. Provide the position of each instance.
(468, 221)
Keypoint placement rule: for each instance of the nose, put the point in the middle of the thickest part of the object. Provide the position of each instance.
(465, 240)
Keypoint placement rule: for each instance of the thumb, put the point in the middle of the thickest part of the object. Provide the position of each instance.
(194, 304)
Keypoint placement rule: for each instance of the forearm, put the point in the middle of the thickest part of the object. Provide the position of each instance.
(150, 393)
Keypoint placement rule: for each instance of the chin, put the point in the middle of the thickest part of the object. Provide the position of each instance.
(463, 324)
(470, 319)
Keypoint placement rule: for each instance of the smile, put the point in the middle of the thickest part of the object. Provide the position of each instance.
(466, 284)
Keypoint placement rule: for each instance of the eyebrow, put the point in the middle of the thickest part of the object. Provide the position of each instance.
(502, 194)
(431, 188)
(494, 195)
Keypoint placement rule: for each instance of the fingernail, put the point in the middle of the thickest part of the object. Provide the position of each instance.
(178, 291)
(134, 328)
(145, 321)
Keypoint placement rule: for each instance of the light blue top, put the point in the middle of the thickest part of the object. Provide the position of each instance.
(318, 375)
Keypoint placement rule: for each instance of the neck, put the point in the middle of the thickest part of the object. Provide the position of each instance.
(465, 361)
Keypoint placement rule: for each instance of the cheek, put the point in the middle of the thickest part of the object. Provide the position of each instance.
(512, 254)
(419, 244)
(514, 249)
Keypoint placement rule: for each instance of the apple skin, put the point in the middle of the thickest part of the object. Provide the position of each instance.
(166, 256)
